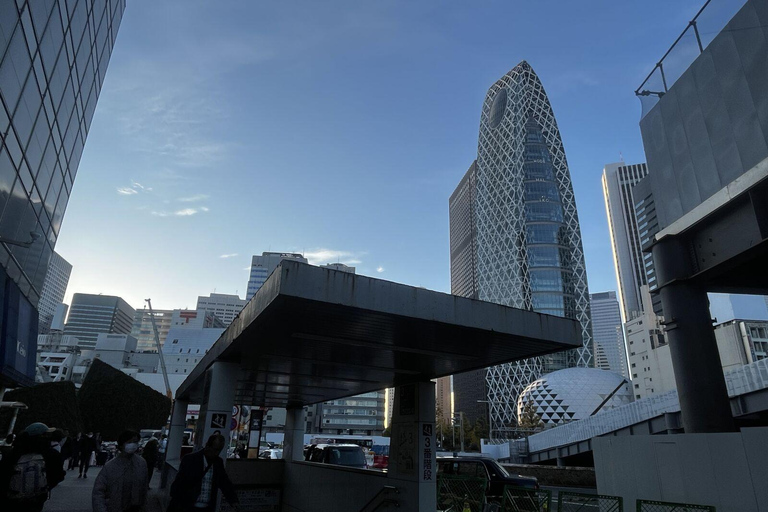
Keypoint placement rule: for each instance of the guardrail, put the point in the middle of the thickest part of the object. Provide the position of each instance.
(666, 506)
(461, 493)
(521, 499)
(700, 31)
(580, 502)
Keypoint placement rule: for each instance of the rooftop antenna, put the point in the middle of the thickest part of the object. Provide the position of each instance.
(621, 156)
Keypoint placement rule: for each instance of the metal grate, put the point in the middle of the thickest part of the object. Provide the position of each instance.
(579, 502)
(519, 499)
(665, 506)
(460, 493)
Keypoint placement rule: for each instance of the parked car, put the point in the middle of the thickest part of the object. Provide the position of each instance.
(349, 455)
(487, 468)
(271, 453)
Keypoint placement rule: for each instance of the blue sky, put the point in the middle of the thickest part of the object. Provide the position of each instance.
(338, 129)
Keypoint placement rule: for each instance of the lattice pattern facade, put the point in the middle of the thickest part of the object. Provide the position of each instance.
(528, 243)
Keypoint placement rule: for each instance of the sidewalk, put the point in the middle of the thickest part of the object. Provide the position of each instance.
(74, 494)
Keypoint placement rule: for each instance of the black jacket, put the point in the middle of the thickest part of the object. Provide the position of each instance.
(186, 487)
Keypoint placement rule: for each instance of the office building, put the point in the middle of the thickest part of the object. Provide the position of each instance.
(59, 318)
(443, 407)
(54, 289)
(358, 415)
(607, 333)
(262, 266)
(515, 236)
(91, 315)
(618, 181)
(185, 346)
(195, 319)
(49, 91)
(225, 307)
(144, 333)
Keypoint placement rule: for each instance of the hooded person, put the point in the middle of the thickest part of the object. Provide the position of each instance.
(29, 473)
(121, 485)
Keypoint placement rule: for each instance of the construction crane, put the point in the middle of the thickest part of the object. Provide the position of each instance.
(168, 392)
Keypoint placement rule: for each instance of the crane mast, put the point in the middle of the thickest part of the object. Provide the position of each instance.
(168, 392)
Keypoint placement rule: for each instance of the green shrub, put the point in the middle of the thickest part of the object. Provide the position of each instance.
(111, 401)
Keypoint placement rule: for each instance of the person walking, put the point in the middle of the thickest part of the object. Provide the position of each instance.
(121, 485)
(162, 448)
(31, 471)
(74, 458)
(150, 455)
(201, 475)
(87, 447)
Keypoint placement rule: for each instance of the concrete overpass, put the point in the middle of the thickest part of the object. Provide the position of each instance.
(656, 415)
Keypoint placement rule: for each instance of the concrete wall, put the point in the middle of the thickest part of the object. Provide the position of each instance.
(728, 471)
(310, 487)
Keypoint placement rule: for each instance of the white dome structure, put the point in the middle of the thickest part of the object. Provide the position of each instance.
(574, 394)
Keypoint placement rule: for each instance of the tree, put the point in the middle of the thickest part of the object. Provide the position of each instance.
(530, 419)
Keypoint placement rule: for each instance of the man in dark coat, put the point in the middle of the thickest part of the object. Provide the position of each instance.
(201, 475)
(86, 449)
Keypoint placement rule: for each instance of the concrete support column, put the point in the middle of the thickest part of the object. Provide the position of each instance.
(412, 465)
(175, 438)
(699, 376)
(216, 409)
(293, 439)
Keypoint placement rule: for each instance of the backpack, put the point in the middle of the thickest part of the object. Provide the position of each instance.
(29, 481)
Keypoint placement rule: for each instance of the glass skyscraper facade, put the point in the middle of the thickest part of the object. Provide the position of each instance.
(524, 229)
(53, 59)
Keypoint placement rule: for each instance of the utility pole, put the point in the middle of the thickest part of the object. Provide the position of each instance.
(168, 392)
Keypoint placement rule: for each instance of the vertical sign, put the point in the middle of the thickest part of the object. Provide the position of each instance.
(427, 455)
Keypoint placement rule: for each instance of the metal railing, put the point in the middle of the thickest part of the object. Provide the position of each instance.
(521, 499)
(665, 506)
(381, 499)
(700, 31)
(461, 493)
(580, 502)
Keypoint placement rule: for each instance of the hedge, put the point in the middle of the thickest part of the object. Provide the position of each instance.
(111, 401)
(53, 403)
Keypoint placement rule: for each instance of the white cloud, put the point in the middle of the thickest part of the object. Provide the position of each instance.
(186, 212)
(204, 209)
(379, 269)
(225, 256)
(323, 256)
(194, 198)
(126, 191)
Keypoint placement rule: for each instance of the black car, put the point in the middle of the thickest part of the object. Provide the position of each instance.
(349, 455)
(489, 469)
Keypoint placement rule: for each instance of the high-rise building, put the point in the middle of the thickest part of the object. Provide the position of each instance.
(144, 333)
(91, 315)
(54, 289)
(53, 58)
(607, 333)
(443, 407)
(262, 266)
(225, 307)
(340, 267)
(357, 415)
(186, 346)
(618, 181)
(523, 231)
(195, 319)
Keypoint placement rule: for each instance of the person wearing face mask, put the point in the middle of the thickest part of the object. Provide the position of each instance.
(87, 447)
(121, 485)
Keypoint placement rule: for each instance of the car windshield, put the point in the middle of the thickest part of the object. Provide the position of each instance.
(498, 467)
(347, 456)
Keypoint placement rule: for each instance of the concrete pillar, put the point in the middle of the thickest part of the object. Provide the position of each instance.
(293, 439)
(699, 376)
(216, 409)
(412, 465)
(561, 462)
(175, 437)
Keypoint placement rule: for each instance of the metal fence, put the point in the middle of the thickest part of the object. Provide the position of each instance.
(461, 493)
(519, 499)
(665, 506)
(579, 502)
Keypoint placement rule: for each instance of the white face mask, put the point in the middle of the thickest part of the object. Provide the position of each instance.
(130, 448)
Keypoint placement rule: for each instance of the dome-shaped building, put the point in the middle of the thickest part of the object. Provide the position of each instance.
(574, 394)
